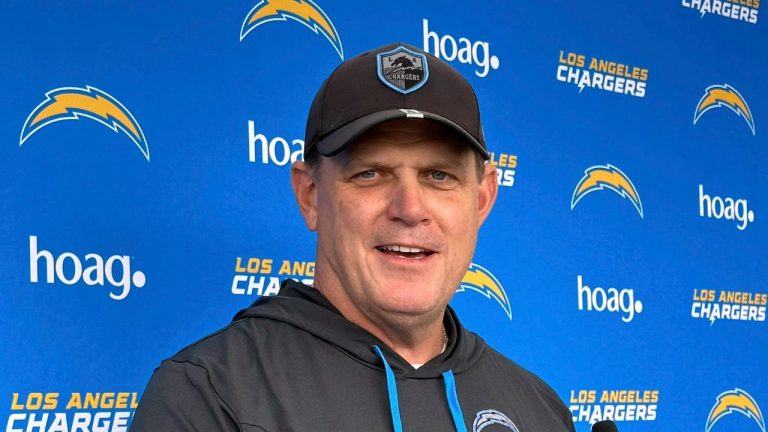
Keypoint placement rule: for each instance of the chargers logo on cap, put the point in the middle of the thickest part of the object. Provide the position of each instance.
(717, 96)
(72, 103)
(402, 70)
(608, 176)
(735, 401)
(303, 11)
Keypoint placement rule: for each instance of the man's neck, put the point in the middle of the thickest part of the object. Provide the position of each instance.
(417, 340)
(417, 347)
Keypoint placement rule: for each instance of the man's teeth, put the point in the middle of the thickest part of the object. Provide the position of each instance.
(398, 248)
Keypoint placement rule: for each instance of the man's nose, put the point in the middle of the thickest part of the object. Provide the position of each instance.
(407, 203)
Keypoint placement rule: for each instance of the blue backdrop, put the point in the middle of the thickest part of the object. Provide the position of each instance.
(145, 160)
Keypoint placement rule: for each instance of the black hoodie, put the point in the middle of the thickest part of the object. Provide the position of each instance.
(293, 363)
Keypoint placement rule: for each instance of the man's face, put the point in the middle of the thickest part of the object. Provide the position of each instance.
(397, 215)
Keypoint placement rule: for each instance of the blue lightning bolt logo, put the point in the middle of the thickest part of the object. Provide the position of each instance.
(480, 280)
(305, 12)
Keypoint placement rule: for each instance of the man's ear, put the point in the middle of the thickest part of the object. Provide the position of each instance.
(305, 191)
(489, 188)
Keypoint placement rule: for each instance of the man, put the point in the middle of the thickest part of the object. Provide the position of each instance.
(396, 184)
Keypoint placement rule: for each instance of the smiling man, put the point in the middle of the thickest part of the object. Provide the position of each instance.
(397, 214)
(396, 183)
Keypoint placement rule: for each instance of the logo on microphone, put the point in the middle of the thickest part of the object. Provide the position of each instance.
(736, 401)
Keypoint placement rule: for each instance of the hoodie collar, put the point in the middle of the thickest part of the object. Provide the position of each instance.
(305, 307)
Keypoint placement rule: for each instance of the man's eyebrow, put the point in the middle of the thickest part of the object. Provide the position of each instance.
(352, 163)
(435, 163)
(446, 162)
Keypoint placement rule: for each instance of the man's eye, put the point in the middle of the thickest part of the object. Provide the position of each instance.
(438, 175)
(369, 174)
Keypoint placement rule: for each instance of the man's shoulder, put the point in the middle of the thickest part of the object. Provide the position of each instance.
(532, 398)
(232, 344)
(520, 376)
(206, 381)
(263, 331)
(509, 365)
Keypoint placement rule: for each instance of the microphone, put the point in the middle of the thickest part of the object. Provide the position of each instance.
(605, 426)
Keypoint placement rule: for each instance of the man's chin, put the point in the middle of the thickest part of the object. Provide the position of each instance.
(412, 301)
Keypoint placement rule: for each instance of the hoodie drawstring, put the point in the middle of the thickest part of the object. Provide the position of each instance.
(394, 404)
(453, 401)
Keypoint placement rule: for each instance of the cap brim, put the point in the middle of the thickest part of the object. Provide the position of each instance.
(335, 142)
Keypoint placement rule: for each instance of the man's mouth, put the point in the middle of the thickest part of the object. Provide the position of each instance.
(401, 251)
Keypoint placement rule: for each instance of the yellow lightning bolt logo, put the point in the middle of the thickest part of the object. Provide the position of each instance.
(481, 280)
(72, 103)
(717, 96)
(735, 401)
(304, 11)
(608, 176)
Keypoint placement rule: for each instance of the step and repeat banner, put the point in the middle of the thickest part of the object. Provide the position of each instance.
(145, 189)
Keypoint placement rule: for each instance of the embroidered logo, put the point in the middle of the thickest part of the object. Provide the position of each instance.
(402, 70)
(489, 417)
